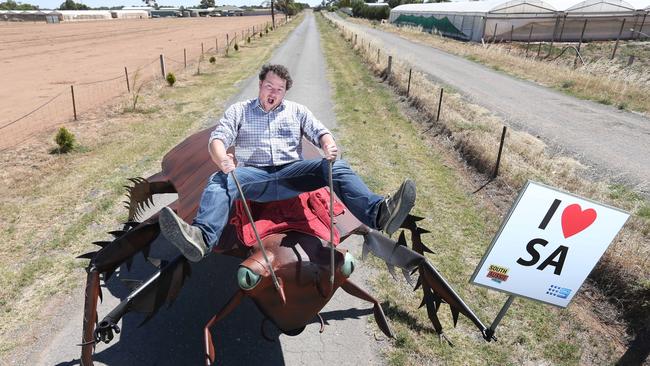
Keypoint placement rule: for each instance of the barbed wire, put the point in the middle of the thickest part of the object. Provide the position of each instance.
(33, 111)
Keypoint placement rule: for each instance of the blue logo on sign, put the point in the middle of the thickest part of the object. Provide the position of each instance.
(558, 291)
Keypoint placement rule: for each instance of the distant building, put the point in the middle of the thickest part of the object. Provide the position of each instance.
(229, 11)
(166, 13)
(522, 20)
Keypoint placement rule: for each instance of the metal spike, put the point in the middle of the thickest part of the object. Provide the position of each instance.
(89, 255)
(102, 243)
(426, 249)
(416, 218)
(422, 231)
(117, 233)
(391, 269)
(407, 277)
(454, 314)
(418, 284)
(424, 301)
(402, 239)
(131, 224)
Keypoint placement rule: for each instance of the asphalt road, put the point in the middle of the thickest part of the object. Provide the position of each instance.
(614, 144)
(175, 335)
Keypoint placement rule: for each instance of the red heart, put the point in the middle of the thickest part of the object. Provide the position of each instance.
(574, 220)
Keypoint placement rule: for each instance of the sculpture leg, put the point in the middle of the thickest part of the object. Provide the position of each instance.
(209, 346)
(357, 291)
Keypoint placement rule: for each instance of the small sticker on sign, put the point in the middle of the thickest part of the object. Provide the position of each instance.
(558, 291)
(497, 273)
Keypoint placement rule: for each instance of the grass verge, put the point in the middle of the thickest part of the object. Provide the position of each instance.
(385, 147)
(54, 206)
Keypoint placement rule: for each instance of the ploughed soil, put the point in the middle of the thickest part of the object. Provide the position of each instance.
(42, 60)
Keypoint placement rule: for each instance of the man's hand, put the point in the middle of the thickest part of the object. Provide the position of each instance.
(227, 164)
(329, 147)
(331, 151)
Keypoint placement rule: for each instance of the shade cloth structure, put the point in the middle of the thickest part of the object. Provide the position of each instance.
(537, 20)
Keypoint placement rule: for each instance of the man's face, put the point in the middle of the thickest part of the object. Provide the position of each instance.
(272, 91)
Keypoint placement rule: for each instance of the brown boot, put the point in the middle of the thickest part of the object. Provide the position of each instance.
(187, 238)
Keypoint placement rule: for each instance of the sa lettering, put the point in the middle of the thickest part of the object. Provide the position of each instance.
(556, 258)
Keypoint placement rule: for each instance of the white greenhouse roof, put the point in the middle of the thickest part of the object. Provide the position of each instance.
(528, 6)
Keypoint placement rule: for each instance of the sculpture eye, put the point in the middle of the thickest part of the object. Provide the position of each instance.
(247, 279)
(348, 265)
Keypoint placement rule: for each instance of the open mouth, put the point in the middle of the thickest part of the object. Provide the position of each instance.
(270, 100)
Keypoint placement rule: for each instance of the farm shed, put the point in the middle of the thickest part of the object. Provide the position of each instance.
(129, 14)
(84, 15)
(539, 20)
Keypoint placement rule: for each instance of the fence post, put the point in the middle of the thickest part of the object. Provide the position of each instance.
(529, 36)
(584, 27)
(355, 39)
(630, 60)
(575, 60)
(162, 65)
(201, 47)
(74, 105)
(496, 167)
(378, 50)
(390, 65)
(184, 58)
(216, 45)
(494, 35)
(442, 90)
(408, 88)
(126, 74)
(227, 43)
(539, 49)
(618, 39)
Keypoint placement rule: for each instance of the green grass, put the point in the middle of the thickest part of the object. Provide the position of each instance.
(384, 147)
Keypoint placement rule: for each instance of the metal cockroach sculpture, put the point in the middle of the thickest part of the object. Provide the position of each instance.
(301, 262)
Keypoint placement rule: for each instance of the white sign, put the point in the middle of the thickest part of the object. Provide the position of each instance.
(548, 244)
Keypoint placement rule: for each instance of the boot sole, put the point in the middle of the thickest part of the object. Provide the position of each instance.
(405, 204)
(171, 230)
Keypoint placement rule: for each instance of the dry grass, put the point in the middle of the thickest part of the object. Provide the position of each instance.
(624, 270)
(602, 80)
(372, 118)
(54, 206)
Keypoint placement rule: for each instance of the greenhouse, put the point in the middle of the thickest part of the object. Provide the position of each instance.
(85, 15)
(535, 20)
(48, 16)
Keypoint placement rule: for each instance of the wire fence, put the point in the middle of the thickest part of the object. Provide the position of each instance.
(71, 103)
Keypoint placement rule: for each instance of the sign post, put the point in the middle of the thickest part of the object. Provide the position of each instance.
(547, 246)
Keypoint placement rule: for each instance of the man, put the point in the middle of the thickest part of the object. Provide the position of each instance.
(267, 132)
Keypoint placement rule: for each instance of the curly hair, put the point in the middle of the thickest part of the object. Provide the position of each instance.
(279, 70)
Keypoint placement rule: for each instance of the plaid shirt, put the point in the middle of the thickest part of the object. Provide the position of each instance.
(268, 139)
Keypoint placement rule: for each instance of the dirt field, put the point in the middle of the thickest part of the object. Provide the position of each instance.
(40, 61)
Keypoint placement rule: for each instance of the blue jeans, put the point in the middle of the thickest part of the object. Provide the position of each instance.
(265, 184)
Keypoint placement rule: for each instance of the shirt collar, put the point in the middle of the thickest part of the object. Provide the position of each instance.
(279, 108)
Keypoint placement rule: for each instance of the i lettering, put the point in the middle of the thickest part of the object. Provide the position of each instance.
(549, 214)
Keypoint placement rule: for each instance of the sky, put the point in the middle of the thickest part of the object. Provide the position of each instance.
(51, 4)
